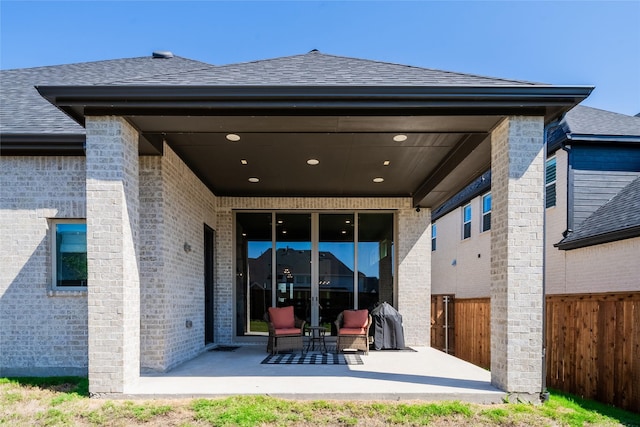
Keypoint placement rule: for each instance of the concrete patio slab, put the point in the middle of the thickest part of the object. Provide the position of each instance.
(425, 374)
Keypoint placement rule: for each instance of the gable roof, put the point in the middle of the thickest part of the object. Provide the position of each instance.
(615, 220)
(292, 104)
(24, 111)
(587, 124)
(319, 69)
(583, 120)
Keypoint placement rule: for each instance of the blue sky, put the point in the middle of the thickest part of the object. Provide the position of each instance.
(562, 42)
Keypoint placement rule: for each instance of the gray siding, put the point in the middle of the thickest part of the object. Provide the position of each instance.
(599, 173)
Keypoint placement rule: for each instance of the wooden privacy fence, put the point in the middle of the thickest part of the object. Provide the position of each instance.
(461, 327)
(473, 331)
(593, 342)
(593, 347)
(442, 321)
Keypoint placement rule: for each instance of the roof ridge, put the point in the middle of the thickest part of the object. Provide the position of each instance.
(262, 60)
(98, 62)
(605, 111)
(425, 68)
(174, 73)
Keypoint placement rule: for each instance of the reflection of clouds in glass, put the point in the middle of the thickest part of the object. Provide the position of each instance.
(369, 258)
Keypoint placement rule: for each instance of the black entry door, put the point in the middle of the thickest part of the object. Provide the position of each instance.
(209, 240)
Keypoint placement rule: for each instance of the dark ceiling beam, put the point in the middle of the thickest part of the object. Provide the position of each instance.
(447, 165)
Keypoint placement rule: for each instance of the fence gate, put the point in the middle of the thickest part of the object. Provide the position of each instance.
(442, 323)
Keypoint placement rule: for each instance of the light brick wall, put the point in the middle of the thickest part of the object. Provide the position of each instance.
(42, 332)
(113, 254)
(414, 275)
(517, 162)
(175, 207)
(413, 250)
(155, 302)
(609, 267)
(470, 277)
(556, 224)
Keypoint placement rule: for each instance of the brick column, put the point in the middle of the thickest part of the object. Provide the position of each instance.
(517, 180)
(112, 251)
(414, 275)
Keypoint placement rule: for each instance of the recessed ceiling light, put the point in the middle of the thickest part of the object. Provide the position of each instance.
(313, 162)
(244, 161)
(348, 221)
(254, 179)
(378, 179)
(386, 163)
(284, 231)
(400, 138)
(244, 234)
(280, 221)
(233, 137)
(344, 231)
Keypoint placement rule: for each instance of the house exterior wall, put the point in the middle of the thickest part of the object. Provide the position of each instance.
(413, 250)
(555, 225)
(175, 207)
(461, 267)
(34, 190)
(599, 173)
(608, 267)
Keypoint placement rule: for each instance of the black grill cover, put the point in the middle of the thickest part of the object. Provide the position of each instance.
(387, 327)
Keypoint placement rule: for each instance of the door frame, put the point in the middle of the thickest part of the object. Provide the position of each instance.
(209, 236)
(315, 272)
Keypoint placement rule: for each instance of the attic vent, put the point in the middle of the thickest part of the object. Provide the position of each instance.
(164, 54)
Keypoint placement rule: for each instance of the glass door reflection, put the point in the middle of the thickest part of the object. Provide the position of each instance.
(336, 266)
(293, 263)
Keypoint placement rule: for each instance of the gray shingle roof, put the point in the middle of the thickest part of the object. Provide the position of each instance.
(23, 110)
(318, 69)
(582, 120)
(618, 215)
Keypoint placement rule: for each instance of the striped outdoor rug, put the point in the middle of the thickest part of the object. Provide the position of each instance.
(313, 359)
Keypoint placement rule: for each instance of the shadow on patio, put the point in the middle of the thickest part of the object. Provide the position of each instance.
(425, 374)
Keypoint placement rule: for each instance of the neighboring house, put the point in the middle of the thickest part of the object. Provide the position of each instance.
(592, 247)
(137, 194)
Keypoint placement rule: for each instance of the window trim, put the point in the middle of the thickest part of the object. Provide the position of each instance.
(54, 254)
(434, 235)
(464, 222)
(483, 213)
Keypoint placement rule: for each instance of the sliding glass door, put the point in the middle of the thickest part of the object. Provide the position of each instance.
(319, 263)
(336, 267)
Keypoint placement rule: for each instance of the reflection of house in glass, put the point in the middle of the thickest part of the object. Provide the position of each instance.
(293, 284)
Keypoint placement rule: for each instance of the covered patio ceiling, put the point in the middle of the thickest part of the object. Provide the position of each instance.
(442, 134)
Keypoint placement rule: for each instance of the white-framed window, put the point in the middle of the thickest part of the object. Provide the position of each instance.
(550, 182)
(69, 254)
(486, 212)
(434, 233)
(466, 221)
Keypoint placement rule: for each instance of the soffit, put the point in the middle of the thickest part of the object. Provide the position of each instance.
(352, 151)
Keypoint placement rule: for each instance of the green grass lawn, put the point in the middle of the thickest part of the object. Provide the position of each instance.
(63, 401)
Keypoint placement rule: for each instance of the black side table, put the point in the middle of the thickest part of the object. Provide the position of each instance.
(316, 335)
